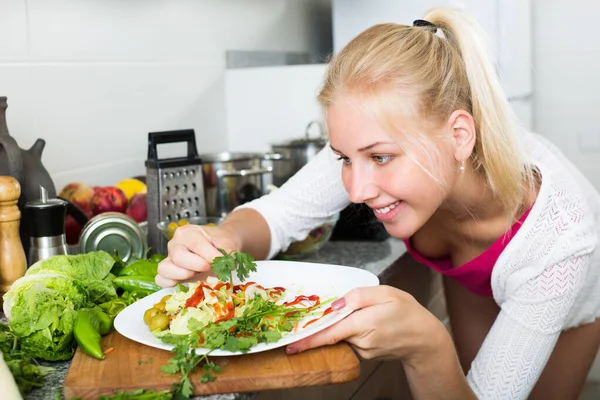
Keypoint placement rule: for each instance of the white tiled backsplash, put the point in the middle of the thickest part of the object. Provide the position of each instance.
(93, 77)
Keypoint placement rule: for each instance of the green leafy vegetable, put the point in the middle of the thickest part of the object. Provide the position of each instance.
(240, 263)
(185, 361)
(42, 305)
(25, 370)
(94, 265)
(42, 309)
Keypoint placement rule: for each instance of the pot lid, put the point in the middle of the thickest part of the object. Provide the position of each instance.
(320, 140)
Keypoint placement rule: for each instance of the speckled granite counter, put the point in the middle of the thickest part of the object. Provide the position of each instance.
(375, 257)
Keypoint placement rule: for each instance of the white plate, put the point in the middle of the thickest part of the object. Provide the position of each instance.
(297, 277)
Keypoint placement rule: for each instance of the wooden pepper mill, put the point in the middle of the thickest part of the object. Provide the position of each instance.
(13, 263)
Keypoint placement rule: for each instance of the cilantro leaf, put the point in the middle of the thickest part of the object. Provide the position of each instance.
(240, 263)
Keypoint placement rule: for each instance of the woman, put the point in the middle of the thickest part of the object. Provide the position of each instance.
(425, 137)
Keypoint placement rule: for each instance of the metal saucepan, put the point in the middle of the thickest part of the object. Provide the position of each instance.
(290, 156)
(232, 179)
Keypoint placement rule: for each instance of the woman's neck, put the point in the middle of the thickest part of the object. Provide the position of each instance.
(472, 212)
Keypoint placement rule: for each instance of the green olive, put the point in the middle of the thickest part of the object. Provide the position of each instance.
(159, 321)
(160, 306)
(165, 299)
(151, 312)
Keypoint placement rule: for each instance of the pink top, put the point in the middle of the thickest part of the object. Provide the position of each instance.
(476, 274)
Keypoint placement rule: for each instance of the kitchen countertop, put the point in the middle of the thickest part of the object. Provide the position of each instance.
(375, 257)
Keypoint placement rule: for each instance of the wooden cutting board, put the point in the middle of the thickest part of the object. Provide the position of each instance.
(132, 365)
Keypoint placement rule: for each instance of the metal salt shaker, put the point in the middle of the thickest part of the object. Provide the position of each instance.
(45, 219)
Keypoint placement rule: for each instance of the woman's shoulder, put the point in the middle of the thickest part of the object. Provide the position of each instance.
(564, 188)
(563, 223)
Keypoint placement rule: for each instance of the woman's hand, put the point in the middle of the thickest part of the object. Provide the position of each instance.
(191, 251)
(388, 323)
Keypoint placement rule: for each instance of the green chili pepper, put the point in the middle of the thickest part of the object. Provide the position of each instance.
(105, 322)
(88, 325)
(136, 283)
(140, 267)
(157, 257)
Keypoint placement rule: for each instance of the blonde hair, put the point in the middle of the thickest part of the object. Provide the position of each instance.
(412, 71)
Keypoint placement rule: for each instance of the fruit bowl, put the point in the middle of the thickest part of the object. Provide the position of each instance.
(168, 228)
(313, 242)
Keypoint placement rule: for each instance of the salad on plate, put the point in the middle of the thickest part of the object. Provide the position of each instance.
(231, 317)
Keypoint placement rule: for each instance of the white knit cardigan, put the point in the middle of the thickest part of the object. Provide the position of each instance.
(545, 281)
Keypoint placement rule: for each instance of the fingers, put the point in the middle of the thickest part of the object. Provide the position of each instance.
(169, 270)
(194, 239)
(167, 280)
(365, 297)
(192, 249)
(339, 331)
(354, 327)
(190, 252)
(164, 282)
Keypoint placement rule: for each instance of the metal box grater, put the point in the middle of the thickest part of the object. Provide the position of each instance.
(175, 185)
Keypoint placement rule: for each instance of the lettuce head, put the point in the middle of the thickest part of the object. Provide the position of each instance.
(94, 265)
(42, 305)
(41, 309)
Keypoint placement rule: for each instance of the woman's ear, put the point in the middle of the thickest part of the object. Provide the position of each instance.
(462, 126)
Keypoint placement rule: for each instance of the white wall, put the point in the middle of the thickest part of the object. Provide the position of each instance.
(271, 104)
(93, 77)
(567, 83)
(566, 79)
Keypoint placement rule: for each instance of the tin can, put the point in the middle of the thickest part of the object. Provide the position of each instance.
(116, 234)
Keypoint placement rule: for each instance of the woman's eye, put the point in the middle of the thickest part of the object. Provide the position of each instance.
(382, 159)
(345, 160)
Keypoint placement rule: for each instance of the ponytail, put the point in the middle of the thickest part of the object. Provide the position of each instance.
(498, 152)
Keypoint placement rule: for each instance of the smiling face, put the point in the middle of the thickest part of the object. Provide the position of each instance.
(402, 185)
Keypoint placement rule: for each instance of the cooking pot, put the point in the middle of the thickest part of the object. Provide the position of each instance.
(232, 179)
(290, 156)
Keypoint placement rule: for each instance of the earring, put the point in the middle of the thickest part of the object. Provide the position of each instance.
(462, 166)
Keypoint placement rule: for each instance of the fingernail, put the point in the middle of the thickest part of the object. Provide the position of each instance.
(291, 350)
(338, 304)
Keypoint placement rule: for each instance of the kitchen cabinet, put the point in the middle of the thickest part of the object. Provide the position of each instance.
(380, 380)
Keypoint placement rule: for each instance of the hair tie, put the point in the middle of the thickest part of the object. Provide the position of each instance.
(426, 24)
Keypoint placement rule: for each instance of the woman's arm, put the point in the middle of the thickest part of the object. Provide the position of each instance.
(449, 382)
(250, 230)
(522, 338)
(305, 201)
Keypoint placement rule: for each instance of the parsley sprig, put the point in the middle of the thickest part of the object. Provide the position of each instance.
(185, 360)
(225, 265)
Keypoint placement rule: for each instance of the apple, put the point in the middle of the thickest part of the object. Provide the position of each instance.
(137, 208)
(72, 230)
(70, 189)
(80, 194)
(108, 198)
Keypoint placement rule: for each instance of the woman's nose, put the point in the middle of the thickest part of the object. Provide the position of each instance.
(361, 188)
